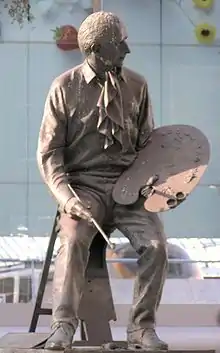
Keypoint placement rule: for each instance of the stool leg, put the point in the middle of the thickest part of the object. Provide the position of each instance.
(43, 281)
(96, 307)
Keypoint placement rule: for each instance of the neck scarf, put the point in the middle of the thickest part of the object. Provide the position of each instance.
(111, 119)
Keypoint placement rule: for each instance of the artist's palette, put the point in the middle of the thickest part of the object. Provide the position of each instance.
(178, 155)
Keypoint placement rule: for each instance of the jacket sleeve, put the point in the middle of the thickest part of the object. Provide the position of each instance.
(145, 120)
(51, 145)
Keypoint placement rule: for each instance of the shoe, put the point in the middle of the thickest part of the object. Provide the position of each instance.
(146, 339)
(61, 338)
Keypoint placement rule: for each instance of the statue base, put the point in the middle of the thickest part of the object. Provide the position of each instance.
(33, 343)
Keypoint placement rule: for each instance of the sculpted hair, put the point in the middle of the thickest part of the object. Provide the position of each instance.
(99, 27)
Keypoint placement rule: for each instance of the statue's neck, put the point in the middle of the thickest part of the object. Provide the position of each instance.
(100, 68)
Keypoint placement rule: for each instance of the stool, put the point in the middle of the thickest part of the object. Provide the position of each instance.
(94, 329)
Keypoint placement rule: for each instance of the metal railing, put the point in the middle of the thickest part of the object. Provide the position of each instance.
(16, 267)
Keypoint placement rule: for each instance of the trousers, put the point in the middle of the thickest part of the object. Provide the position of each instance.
(145, 232)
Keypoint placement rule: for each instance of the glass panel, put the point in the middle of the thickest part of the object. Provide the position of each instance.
(13, 213)
(25, 290)
(197, 217)
(190, 86)
(14, 112)
(141, 17)
(42, 211)
(7, 290)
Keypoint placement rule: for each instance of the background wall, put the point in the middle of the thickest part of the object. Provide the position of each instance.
(184, 82)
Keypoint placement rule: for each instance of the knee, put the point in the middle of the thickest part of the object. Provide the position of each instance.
(74, 235)
(74, 248)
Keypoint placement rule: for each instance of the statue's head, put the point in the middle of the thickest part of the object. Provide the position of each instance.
(102, 36)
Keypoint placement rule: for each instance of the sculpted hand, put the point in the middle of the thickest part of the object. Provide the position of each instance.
(76, 208)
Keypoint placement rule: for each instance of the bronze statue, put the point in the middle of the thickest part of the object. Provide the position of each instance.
(97, 117)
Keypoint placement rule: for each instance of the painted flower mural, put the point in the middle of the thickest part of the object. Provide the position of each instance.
(18, 10)
(203, 4)
(66, 37)
(205, 33)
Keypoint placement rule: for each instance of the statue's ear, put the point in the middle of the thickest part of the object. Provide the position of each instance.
(95, 48)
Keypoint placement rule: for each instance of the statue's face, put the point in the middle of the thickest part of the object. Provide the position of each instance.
(114, 49)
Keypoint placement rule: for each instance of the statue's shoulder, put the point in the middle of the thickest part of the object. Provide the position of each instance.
(134, 77)
(68, 78)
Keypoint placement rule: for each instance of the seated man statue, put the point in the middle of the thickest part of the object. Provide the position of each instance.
(97, 117)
